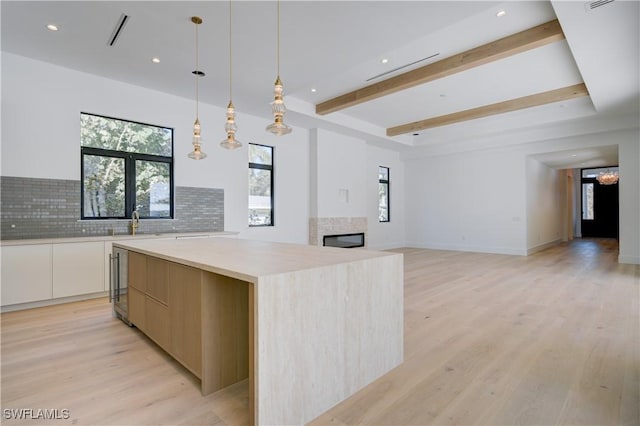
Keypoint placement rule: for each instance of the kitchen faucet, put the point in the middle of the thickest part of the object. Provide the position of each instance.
(135, 221)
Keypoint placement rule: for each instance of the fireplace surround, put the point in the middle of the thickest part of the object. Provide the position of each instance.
(321, 226)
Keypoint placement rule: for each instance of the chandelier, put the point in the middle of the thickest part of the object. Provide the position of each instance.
(608, 177)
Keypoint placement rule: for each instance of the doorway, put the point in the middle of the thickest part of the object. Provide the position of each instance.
(599, 204)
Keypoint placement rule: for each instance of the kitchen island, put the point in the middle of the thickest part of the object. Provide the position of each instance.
(308, 326)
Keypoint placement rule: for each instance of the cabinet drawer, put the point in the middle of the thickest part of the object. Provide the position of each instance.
(137, 309)
(158, 279)
(186, 318)
(157, 323)
(137, 271)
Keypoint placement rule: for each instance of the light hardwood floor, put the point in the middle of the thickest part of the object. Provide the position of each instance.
(552, 338)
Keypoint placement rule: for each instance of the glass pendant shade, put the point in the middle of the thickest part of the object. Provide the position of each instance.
(197, 153)
(278, 109)
(230, 127)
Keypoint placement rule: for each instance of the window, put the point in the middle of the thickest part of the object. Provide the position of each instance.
(587, 201)
(125, 166)
(383, 194)
(260, 185)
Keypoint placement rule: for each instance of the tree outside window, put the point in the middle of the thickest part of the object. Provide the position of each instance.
(260, 185)
(383, 194)
(126, 166)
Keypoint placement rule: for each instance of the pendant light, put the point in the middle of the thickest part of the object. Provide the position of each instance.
(230, 127)
(197, 153)
(278, 109)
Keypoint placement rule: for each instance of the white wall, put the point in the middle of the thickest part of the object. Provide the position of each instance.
(476, 200)
(41, 105)
(473, 201)
(340, 166)
(629, 194)
(577, 202)
(390, 234)
(344, 183)
(546, 205)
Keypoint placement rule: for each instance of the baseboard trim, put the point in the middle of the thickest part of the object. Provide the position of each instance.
(544, 246)
(49, 302)
(390, 246)
(632, 260)
(473, 249)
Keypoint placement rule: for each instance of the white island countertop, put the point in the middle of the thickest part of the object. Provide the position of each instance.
(248, 260)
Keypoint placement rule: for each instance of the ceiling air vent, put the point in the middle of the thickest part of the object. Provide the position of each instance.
(592, 5)
(403, 66)
(117, 30)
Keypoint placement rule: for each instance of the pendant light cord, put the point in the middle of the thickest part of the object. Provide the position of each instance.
(230, 65)
(197, 71)
(278, 39)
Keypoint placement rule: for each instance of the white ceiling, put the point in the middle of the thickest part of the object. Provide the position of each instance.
(335, 46)
(581, 158)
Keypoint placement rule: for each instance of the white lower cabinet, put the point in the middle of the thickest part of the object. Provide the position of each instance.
(41, 272)
(78, 268)
(26, 273)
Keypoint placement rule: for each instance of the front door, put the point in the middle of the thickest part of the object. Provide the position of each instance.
(599, 208)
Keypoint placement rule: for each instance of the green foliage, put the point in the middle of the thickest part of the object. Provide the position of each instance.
(260, 182)
(260, 207)
(120, 135)
(103, 186)
(260, 154)
(104, 176)
(152, 188)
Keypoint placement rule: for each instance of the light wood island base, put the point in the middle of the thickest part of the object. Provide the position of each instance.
(308, 326)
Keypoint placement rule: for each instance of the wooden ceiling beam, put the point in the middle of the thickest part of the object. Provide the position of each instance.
(520, 42)
(557, 95)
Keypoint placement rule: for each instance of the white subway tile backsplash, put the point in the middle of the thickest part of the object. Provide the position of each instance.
(50, 208)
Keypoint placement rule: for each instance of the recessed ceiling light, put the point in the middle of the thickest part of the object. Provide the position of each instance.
(313, 90)
(155, 60)
(501, 13)
(574, 155)
(52, 27)
(384, 61)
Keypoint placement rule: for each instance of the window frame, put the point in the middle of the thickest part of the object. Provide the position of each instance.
(386, 182)
(271, 168)
(130, 176)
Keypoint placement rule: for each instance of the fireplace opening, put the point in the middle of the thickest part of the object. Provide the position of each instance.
(344, 240)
